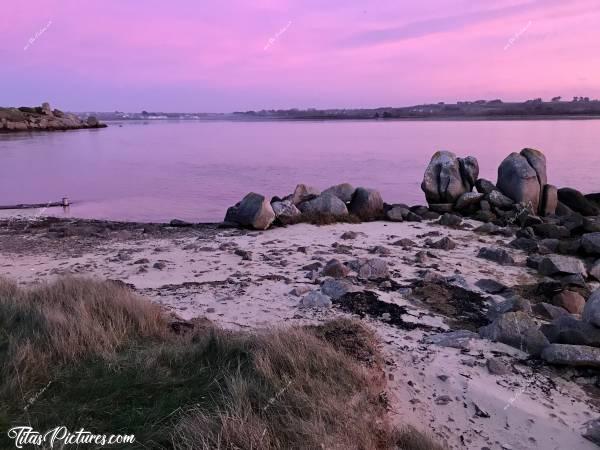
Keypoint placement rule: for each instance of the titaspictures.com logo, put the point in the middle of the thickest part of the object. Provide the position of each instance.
(61, 437)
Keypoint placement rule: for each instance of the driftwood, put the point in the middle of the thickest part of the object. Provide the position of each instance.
(64, 203)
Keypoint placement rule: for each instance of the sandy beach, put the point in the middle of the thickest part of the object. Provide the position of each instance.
(249, 279)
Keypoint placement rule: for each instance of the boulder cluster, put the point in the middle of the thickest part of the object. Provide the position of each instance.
(42, 118)
(451, 183)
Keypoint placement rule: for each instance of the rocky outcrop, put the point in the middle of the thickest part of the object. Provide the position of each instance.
(448, 177)
(42, 118)
(366, 204)
(254, 211)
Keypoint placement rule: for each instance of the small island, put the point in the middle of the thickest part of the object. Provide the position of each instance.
(43, 118)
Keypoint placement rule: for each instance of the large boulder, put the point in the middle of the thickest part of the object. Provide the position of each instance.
(342, 191)
(549, 200)
(326, 204)
(591, 243)
(561, 265)
(591, 310)
(518, 179)
(303, 193)
(285, 211)
(254, 211)
(568, 330)
(516, 329)
(370, 269)
(447, 178)
(578, 202)
(572, 355)
(366, 204)
(537, 160)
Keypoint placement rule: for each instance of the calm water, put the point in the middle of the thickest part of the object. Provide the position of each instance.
(194, 170)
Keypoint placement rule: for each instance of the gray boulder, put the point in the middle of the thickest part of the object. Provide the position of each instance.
(324, 204)
(595, 270)
(336, 288)
(443, 180)
(366, 204)
(549, 200)
(591, 310)
(468, 200)
(498, 255)
(499, 200)
(370, 269)
(569, 330)
(315, 299)
(342, 191)
(254, 211)
(537, 160)
(518, 179)
(334, 268)
(572, 355)
(518, 330)
(591, 243)
(303, 193)
(561, 265)
(285, 210)
(396, 213)
(485, 186)
(578, 202)
(469, 171)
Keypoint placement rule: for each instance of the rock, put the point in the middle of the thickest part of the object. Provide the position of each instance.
(396, 213)
(499, 200)
(572, 222)
(560, 265)
(443, 244)
(549, 200)
(518, 179)
(349, 235)
(245, 254)
(315, 299)
(441, 208)
(142, 261)
(312, 266)
(568, 330)
(442, 400)
(591, 310)
(160, 265)
(334, 268)
(569, 246)
(455, 339)
(254, 211)
(490, 286)
(525, 244)
(487, 228)
(518, 330)
(562, 209)
(443, 181)
(370, 269)
(484, 186)
(92, 121)
(412, 217)
(324, 204)
(548, 311)
(591, 224)
(285, 211)
(404, 243)
(469, 171)
(497, 367)
(591, 243)
(303, 193)
(548, 246)
(537, 160)
(336, 288)
(498, 255)
(450, 220)
(572, 355)
(179, 223)
(595, 270)
(577, 202)
(569, 300)
(299, 291)
(500, 306)
(342, 191)
(366, 204)
(550, 230)
(592, 431)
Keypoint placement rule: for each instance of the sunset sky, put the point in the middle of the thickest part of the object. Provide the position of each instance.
(219, 55)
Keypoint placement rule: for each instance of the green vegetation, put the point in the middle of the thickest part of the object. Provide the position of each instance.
(92, 354)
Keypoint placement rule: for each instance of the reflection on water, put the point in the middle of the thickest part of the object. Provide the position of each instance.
(195, 170)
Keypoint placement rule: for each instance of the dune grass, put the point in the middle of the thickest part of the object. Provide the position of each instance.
(84, 353)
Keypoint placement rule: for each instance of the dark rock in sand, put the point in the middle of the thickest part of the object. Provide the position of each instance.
(342, 191)
(334, 268)
(548, 311)
(548, 246)
(591, 310)
(366, 204)
(569, 246)
(396, 213)
(576, 201)
(561, 265)
(450, 220)
(404, 243)
(550, 230)
(568, 330)
(490, 286)
(324, 204)
(498, 367)
(468, 200)
(412, 217)
(571, 355)
(569, 300)
(525, 244)
(349, 235)
(180, 223)
(443, 244)
(245, 254)
(498, 255)
(518, 330)
(591, 243)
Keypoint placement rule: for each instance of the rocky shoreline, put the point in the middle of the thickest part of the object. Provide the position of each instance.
(43, 118)
(486, 301)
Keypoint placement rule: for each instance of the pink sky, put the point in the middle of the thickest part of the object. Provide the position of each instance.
(209, 55)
